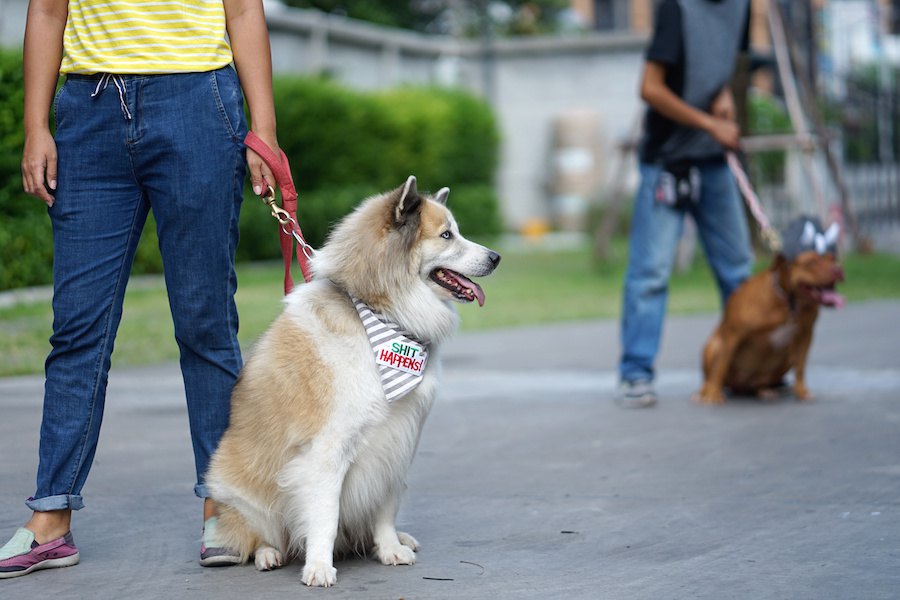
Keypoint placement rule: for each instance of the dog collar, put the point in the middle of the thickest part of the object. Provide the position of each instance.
(779, 289)
(400, 357)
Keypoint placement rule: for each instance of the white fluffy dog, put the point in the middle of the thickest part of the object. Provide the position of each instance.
(327, 413)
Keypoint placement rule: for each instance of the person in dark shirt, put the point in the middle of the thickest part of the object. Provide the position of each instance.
(689, 126)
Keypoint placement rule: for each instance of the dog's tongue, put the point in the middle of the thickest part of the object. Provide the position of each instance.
(468, 283)
(832, 298)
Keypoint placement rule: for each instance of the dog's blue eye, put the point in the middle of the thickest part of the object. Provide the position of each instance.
(447, 235)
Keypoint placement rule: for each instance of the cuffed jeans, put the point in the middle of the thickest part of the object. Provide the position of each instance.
(655, 230)
(174, 144)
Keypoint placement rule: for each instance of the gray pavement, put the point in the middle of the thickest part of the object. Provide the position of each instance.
(530, 483)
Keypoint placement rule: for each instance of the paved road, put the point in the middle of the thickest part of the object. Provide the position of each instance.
(530, 483)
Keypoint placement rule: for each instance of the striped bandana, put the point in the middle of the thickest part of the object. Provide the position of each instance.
(400, 357)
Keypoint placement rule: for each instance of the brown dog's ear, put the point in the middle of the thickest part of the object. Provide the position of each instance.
(409, 202)
(779, 261)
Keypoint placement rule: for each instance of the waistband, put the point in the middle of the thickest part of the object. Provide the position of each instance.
(99, 76)
(135, 76)
(130, 76)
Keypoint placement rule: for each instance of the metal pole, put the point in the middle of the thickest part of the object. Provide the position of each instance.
(885, 124)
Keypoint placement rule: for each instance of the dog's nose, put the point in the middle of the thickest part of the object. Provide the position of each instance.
(495, 258)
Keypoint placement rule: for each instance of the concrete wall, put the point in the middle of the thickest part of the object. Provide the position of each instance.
(535, 81)
(12, 22)
(539, 82)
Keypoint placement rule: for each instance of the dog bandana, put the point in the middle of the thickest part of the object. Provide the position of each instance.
(400, 357)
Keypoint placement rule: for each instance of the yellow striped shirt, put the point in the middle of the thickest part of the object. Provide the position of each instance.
(141, 37)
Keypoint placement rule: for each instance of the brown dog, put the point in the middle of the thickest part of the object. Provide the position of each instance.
(768, 323)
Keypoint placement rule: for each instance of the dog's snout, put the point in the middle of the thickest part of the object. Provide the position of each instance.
(494, 258)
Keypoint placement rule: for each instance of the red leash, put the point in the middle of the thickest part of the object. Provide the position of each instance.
(287, 214)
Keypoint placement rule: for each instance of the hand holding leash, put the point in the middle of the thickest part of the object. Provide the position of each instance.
(287, 215)
(261, 176)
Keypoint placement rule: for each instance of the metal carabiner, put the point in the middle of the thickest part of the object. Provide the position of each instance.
(281, 215)
(269, 196)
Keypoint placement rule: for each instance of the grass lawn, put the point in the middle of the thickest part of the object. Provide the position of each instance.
(530, 287)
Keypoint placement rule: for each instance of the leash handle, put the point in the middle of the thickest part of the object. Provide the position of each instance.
(773, 240)
(287, 215)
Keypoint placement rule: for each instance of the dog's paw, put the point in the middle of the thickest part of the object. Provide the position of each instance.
(396, 554)
(408, 541)
(319, 574)
(267, 558)
(801, 392)
(709, 395)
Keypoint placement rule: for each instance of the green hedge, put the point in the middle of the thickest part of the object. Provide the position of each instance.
(344, 146)
(26, 249)
(336, 137)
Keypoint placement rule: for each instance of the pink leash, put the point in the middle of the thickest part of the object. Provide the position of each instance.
(287, 214)
(773, 240)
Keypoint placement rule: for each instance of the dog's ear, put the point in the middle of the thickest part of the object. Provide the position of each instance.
(441, 196)
(778, 262)
(409, 202)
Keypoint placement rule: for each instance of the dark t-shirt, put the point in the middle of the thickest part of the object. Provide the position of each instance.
(667, 48)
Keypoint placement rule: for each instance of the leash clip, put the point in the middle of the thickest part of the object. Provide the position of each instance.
(285, 215)
(281, 215)
(308, 250)
(288, 224)
(773, 240)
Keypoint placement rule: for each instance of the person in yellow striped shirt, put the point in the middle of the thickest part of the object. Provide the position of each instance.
(151, 116)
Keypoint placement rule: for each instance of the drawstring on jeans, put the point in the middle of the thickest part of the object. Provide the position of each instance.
(119, 82)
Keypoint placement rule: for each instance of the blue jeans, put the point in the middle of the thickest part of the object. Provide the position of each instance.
(180, 154)
(655, 230)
